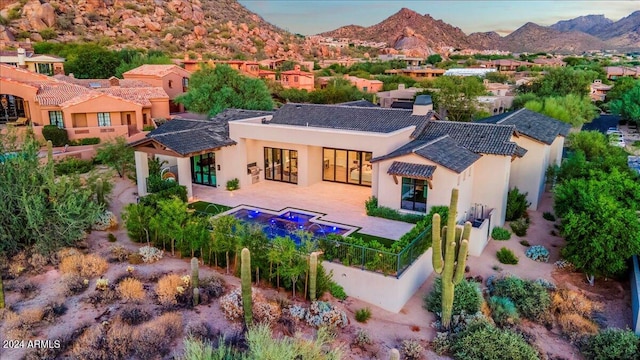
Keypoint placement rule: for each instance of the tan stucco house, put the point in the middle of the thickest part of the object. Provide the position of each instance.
(173, 79)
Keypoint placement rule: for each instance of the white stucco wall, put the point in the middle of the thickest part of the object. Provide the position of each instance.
(527, 172)
(555, 154)
(389, 193)
(386, 292)
(490, 178)
(142, 171)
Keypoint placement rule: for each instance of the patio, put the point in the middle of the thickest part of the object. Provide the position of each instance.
(342, 203)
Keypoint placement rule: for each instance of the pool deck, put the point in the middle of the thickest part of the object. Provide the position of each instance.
(342, 203)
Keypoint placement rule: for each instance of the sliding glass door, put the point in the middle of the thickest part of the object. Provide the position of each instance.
(347, 166)
(281, 165)
(203, 169)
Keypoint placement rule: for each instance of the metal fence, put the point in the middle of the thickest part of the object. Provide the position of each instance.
(376, 260)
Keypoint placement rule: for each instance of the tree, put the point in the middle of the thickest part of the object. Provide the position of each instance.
(497, 77)
(171, 221)
(212, 90)
(457, 96)
(224, 235)
(434, 59)
(572, 109)
(117, 154)
(564, 81)
(628, 106)
(140, 59)
(91, 61)
(620, 87)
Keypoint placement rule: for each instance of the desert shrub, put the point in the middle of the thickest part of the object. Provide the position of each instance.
(103, 297)
(131, 289)
(266, 312)
(201, 331)
(48, 33)
(21, 326)
(118, 340)
(72, 165)
(320, 313)
(503, 311)
(135, 259)
(549, 285)
(112, 238)
(524, 243)
(106, 220)
(538, 253)
(168, 289)
(532, 300)
(87, 266)
(337, 291)
(441, 344)
(134, 315)
(37, 262)
(411, 349)
(28, 289)
(500, 233)
(576, 327)
(506, 256)
(612, 344)
(154, 339)
(150, 254)
(519, 226)
(212, 286)
(517, 204)
(197, 349)
(482, 341)
(468, 297)
(119, 253)
(75, 284)
(57, 136)
(362, 338)
(102, 284)
(548, 216)
(262, 345)
(53, 310)
(566, 301)
(362, 315)
(91, 344)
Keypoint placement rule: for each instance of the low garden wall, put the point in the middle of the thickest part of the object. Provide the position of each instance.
(480, 236)
(387, 292)
(635, 295)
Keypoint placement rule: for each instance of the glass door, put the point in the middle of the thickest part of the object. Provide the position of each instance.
(281, 165)
(203, 169)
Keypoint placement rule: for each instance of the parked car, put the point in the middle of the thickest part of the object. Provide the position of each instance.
(613, 130)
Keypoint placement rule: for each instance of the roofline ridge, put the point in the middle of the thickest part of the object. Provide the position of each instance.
(510, 116)
(431, 142)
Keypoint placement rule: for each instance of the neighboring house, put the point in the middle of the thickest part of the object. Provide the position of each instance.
(297, 79)
(408, 158)
(614, 72)
(553, 62)
(599, 90)
(543, 137)
(173, 79)
(86, 108)
(497, 89)
(495, 105)
(364, 85)
(481, 72)
(417, 72)
(402, 94)
(41, 64)
(508, 65)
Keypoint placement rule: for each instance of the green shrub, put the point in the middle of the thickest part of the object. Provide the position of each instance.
(362, 315)
(612, 344)
(426, 222)
(519, 226)
(500, 233)
(468, 297)
(548, 216)
(71, 165)
(57, 136)
(372, 209)
(88, 141)
(532, 300)
(503, 311)
(233, 184)
(148, 128)
(517, 204)
(48, 34)
(506, 256)
(482, 341)
(524, 243)
(337, 291)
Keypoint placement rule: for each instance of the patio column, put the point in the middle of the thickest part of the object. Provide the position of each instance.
(184, 174)
(142, 172)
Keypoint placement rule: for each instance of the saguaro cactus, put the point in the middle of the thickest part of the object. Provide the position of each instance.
(394, 354)
(100, 191)
(245, 275)
(313, 275)
(49, 151)
(195, 281)
(449, 258)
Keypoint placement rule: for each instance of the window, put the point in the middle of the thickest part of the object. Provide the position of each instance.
(46, 69)
(55, 118)
(281, 165)
(170, 84)
(414, 194)
(295, 79)
(144, 119)
(104, 119)
(185, 84)
(347, 166)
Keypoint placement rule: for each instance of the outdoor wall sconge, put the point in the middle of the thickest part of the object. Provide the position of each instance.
(218, 167)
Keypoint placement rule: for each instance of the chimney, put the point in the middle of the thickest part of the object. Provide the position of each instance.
(296, 67)
(114, 82)
(186, 57)
(21, 58)
(71, 76)
(422, 105)
(401, 87)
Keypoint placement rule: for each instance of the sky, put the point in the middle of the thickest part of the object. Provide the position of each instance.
(309, 17)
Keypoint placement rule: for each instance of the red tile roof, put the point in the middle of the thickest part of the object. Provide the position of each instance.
(141, 96)
(156, 70)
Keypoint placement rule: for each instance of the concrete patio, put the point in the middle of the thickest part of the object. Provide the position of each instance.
(341, 203)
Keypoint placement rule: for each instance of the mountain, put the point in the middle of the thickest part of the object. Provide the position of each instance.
(408, 30)
(485, 40)
(532, 38)
(589, 24)
(222, 27)
(624, 33)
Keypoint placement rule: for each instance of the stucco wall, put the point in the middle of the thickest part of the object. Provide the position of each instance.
(555, 153)
(389, 193)
(386, 292)
(490, 176)
(527, 172)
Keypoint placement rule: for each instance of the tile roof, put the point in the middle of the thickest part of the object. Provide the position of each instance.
(476, 137)
(368, 119)
(140, 96)
(156, 70)
(416, 171)
(187, 136)
(532, 124)
(57, 92)
(101, 83)
(360, 103)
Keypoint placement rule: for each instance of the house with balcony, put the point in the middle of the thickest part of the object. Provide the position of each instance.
(598, 90)
(297, 79)
(103, 108)
(173, 79)
(37, 63)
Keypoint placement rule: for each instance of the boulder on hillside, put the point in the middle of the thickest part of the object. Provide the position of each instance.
(153, 26)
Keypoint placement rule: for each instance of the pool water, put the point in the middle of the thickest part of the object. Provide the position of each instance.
(288, 223)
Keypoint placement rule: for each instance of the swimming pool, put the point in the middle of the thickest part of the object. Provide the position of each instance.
(289, 222)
